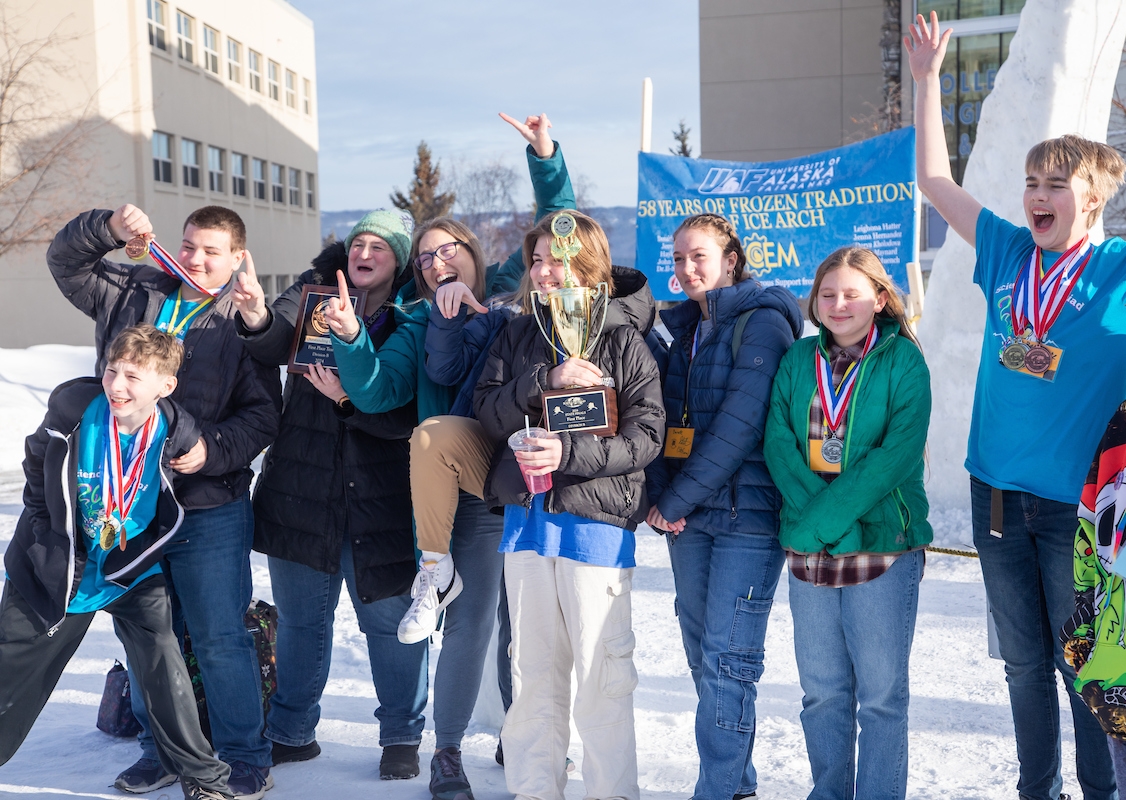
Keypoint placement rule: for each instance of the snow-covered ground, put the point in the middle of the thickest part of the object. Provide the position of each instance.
(961, 732)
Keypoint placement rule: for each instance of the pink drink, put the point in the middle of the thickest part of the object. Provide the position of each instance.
(524, 440)
(537, 484)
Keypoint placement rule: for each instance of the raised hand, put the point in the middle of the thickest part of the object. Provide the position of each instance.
(249, 298)
(325, 382)
(340, 315)
(574, 372)
(449, 297)
(535, 130)
(926, 47)
(128, 222)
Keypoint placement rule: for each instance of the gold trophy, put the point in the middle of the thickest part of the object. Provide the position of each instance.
(572, 324)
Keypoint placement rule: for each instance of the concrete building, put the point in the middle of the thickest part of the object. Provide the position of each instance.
(194, 102)
(781, 79)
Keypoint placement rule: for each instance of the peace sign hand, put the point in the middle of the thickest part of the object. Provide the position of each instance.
(535, 130)
(249, 298)
(340, 315)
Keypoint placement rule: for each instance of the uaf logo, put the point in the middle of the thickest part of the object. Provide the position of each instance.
(674, 285)
(764, 255)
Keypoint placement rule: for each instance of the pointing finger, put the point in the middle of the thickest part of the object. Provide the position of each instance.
(342, 285)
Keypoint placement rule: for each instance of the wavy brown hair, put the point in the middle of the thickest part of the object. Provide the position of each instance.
(865, 261)
(725, 236)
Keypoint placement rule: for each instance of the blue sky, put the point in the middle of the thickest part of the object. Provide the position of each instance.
(392, 73)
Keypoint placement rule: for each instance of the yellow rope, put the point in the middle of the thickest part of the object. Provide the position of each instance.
(951, 552)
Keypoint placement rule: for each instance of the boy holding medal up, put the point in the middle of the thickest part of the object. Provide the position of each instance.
(1053, 370)
(236, 402)
(98, 508)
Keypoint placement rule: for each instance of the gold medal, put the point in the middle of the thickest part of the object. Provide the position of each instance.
(137, 248)
(1013, 355)
(109, 533)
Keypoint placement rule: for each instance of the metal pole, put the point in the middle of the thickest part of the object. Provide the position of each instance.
(646, 115)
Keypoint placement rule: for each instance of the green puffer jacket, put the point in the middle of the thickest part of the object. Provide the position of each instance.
(377, 382)
(877, 505)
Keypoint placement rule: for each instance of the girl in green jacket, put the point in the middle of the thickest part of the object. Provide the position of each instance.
(844, 443)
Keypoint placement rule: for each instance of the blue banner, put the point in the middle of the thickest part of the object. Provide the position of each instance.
(789, 214)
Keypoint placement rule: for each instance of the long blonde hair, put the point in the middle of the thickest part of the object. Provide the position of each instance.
(591, 266)
(865, 261)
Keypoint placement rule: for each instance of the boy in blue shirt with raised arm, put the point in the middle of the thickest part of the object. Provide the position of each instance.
(98, 510)
(1052, 371)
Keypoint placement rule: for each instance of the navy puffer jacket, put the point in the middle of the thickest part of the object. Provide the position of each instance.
(724, 483)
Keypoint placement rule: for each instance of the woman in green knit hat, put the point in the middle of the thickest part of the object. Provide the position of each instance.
(844, 443)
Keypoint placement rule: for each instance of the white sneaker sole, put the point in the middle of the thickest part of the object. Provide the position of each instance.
(416, 635)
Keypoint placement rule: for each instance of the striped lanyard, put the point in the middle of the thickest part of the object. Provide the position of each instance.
(121, 478)
(1038, 298)
(166, 262)
(835, 399)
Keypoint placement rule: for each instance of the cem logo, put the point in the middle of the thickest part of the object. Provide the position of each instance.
(764, 255)
(674, 285)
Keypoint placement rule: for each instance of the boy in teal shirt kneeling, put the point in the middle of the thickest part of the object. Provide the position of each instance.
(98, 509)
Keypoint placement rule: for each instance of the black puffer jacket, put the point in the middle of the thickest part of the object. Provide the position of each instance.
(331, 473)
(47, 554)
(599, 478)
(235, 400)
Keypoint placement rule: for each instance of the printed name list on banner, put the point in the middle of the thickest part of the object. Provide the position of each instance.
(790, 214)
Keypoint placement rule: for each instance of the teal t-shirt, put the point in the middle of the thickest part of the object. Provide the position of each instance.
(95, 592)
(1032, 435)
(177, 320)
(566, 535)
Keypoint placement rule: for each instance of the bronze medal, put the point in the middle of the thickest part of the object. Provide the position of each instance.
(832, 450)
(1014, 355)
(1038, 359)
(108, 534)
(137, 248)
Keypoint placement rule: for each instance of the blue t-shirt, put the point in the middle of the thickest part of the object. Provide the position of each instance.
(185, 315)
(95, 592)
(1032, 435)
(567, 535)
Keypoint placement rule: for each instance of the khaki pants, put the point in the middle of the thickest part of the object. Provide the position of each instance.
(564, 614)
(447, 454)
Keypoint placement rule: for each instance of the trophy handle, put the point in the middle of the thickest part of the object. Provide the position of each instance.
(537, 302)
(600, 290)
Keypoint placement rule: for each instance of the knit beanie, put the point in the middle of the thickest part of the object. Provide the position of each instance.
(394, 227)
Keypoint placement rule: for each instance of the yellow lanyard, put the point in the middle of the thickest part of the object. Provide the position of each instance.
(173, 328)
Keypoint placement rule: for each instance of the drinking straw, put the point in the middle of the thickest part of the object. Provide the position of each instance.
(527, 427)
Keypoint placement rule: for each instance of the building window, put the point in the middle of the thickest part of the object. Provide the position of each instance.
(272, 79)
(291, 89)
(185, 36)
(238, 174)
(254, 68)
(158, 30)
(214, 169)
(161, 157)
(189, 160)
(294, 187)
(983, 30)
(277, 182)
(234, 61)
(211, 50)
(259, 179)
(310, 180)
(307, 101)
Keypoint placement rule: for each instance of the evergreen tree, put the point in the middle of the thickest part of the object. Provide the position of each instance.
(424, 202)
(681, 138)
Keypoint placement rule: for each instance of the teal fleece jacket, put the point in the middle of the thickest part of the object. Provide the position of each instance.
(877, 504)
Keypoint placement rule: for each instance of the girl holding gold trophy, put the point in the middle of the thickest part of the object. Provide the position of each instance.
(569, 551)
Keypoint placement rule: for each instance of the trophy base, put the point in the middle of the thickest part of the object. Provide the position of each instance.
(593, 410)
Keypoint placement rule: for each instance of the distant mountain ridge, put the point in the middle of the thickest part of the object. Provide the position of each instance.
(619, 222)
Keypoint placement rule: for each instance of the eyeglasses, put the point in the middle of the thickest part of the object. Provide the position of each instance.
(447, 251)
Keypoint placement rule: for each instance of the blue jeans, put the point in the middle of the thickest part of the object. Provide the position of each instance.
(725, 586)
(1029, 582)
(468, 625)
(306, 601)
(208, 572)
(853, 645)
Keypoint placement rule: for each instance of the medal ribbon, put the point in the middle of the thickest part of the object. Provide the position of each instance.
(166, 262)
(173, 328)
(834, 401)
(1038, 299)
(120, 479)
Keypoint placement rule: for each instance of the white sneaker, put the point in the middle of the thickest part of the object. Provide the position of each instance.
(421, 618)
